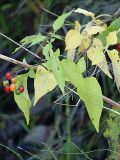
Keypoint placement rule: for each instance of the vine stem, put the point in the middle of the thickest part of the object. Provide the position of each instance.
(68, 127)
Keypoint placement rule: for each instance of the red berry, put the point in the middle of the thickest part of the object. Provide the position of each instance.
(12, 87)
(7, 89)
(21, 88)
(118, 47)
(8, 75)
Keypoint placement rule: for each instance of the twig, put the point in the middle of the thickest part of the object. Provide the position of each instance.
(24, 65)
(111, 102)
(21, 46)
(106, 99)
(117, 14)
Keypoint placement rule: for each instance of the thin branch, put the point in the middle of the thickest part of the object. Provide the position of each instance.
(111, 102)
(117, 14)
(24, 65)
(21, 46)
(106, 99)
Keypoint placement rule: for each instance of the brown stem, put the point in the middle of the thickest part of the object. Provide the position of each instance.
(24, 65)
(111, 102)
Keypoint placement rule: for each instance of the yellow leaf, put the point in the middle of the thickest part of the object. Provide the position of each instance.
(96, 55)
(113, 54)
(95, 52)
(111, 38)
(85, 12)
(104, 67)
(94, 30)
(97, 22)
(72, 39)
(85, 43)
(77, 26)
(44, 82)
(71, 54)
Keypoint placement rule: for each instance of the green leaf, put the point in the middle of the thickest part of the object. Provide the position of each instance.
(59, 22)
(23, 100)
(87, 88)
(81, 65)
(44, 82)
(90, 92)
(57, 71)
(118, 36)
(46, 50)
(57, 53)
(31, 72)
(70, 147)
(31, 41)
(57, 36)
(115, 26)
(71, 72)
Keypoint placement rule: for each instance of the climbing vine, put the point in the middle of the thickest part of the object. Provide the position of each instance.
(83, 43)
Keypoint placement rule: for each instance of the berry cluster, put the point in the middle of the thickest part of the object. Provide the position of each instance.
(118, 47)
(10, 84)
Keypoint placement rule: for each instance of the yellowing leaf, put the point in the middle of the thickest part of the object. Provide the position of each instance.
(85, 43)
(95, 52)
(104, 67)
(23, 100)
(114, 26)
(44, 82)
(72, 39)
(111, 38)
(85, 12)
(97, 22)
(71, 54)
(94, 30)
(96, 55)
(113, 54)
(77, 26)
